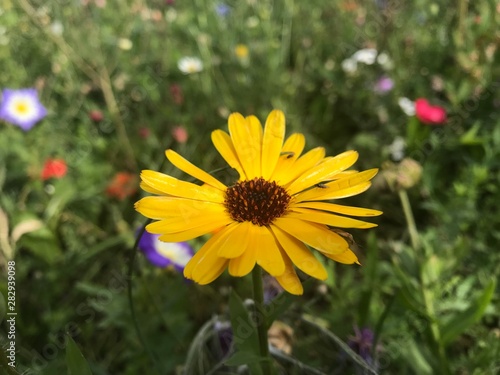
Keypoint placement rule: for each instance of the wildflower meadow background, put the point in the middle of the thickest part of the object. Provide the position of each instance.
(93, 91)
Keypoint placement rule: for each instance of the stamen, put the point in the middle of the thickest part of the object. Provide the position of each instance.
(258, 201)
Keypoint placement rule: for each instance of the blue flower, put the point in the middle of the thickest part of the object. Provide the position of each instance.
(165, 254)
(222, 9)
(21, 107)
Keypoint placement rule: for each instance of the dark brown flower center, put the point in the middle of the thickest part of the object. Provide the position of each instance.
(258, 201)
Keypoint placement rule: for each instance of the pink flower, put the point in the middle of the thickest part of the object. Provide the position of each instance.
(180, 134)
(383, 85)
(54, 168)
(429, 114)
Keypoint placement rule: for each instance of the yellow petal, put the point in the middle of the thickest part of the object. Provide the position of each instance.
(167, 207)
(293, 147)
(177, 188)
(272, 142)
(268, 255)
(183, 223)
(245, 263)
(314, 235)
(300, 255)
(302, 164)
(223, 144)
(289, 279)
(328, 219)
(347, 257)
(191, 169)
(345, 187)
(236, 241)
(209, 246)
(321, 171)
(150, 189)
(205, 266)
(246, 135)
(343, 193)
(188, 234)
(339, 175)
(345, 210)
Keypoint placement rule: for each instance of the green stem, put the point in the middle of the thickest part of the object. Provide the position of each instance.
(410, 221)
(462, 17)
(111, 103)
(426, 293)
(258, 296)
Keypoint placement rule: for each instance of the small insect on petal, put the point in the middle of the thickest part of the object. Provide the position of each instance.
(288, 154)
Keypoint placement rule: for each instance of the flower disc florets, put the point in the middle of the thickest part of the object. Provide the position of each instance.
(258, 201)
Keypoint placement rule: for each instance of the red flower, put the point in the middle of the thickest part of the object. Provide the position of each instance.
(144, 132)
(176, 93)
(96, 115)
(429, 114)
(54, 168)
(123, 185)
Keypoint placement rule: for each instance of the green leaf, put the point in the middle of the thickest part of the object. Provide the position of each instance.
(245, 334)
(471, 136)
(416, 358)
(243, 358)
(370, 269)
(41, 243)
(416, 133)
(65, 192)
(77, 364)
(277, 307)
(355, 357)
(462, 321)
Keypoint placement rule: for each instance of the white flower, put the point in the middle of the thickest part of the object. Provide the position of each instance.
(349, 65)
(329, 64)
(189, 65)
(397, 148)
(407, 106)
(384, 60)
(252, 22)
(125, 44)
(171, 15)
(57, 28)
(366, 56)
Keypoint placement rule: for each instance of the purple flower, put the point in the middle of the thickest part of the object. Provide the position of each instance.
(362, 343)
(21, 107)
(164, 254)
(272, 289)
(225, 336)
(383, 85)
(222, 9)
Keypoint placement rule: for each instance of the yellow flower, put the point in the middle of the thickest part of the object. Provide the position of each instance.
(270, 215)
(241, 51)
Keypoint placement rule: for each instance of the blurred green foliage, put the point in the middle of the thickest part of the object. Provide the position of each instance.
(433, 305)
